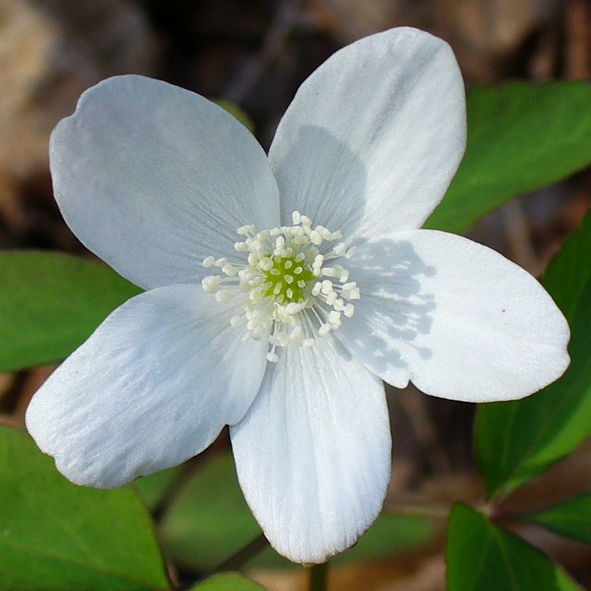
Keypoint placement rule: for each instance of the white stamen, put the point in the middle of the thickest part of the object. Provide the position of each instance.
(223, 297)
(210, 283)
(326, 286)
(246, 230)
(266, 264)
(340, 249)
(283, 301)
(237, 321)
(293, 308)
(296, 337)
(334, 319)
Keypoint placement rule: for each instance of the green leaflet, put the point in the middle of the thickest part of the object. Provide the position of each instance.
(482, 556)
(50, 303)
(521, 137)
(56, 535)
(571, 518)
(516, 441)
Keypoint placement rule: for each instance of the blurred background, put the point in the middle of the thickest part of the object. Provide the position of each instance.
(255, 54)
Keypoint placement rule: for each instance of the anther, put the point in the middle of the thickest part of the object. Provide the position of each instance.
(294, 308)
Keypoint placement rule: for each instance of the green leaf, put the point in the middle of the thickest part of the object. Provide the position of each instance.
(521, 137)
(571, 518)
(155, 487)
(56, 535)
(227, 582)
(568, 275)
(481, 556)
(208, 521)
(50, 303)
(516, 441)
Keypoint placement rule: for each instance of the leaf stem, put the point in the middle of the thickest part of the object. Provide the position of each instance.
(243, 555)
(416, 509)
(319, 577)
(233, 563)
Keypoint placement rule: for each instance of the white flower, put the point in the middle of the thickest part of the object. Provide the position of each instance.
(179, 198)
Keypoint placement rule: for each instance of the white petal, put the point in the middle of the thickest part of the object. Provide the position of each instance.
(373, 138)
(153, 178)
(313, 452)
(456, 318)
(152, 387)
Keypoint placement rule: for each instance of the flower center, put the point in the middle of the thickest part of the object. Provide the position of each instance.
(290, 291)
(288, 278)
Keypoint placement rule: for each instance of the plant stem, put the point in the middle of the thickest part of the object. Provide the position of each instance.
(432, 510)
(243, 555)
(233, 563)
(319, 577)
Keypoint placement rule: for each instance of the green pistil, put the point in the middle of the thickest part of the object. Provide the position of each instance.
(287, 280)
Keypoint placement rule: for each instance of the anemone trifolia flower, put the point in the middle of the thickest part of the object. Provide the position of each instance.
(281, 289)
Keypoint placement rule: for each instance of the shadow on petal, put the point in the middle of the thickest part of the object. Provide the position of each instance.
(329, 187)
(395, 306)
